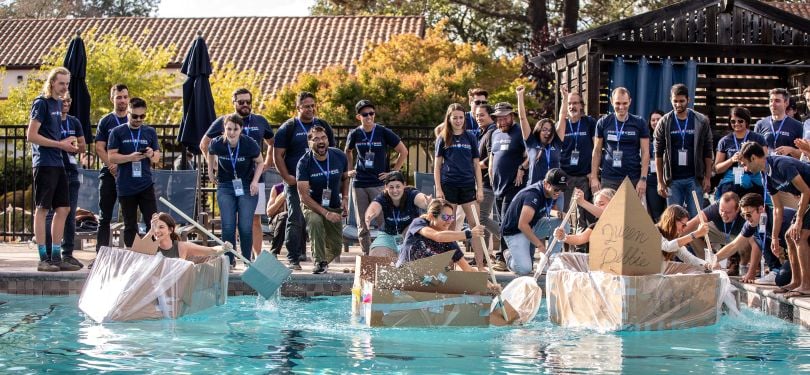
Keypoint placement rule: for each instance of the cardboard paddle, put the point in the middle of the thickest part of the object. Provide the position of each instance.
(498, 300)
(265, 275)
(709, 254)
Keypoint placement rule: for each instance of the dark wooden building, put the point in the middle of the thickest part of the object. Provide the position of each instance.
(741, 48)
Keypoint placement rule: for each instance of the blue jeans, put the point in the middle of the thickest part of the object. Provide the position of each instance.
(680, 193)
(237, 210)
(521, 251)
(294, 236)
(68, 239)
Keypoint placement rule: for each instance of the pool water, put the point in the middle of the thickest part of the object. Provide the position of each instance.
(315, 335)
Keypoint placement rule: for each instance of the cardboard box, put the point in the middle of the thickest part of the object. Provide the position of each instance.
(606, 302)
(419, 294)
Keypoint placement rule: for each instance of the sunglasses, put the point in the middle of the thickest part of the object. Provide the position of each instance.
(447, 217)
(243, 102)
(480, 102)
(738, 121)
(137, 117)
(368, 114)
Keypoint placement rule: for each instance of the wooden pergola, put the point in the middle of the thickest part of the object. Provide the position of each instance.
(742, 49)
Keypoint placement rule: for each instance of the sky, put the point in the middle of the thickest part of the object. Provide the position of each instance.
(225, 8)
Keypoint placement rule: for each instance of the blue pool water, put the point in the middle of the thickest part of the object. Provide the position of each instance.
(315, 336)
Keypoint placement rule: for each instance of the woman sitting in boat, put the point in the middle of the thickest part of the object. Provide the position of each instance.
(600, 201)
(169, 243)
(399, 206)
(673, 237)
(428, 235)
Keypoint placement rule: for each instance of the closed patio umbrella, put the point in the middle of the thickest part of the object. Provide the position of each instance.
(76, 63)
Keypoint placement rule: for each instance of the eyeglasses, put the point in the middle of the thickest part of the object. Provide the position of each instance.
(137, 117)
(447, 217)
(480, 102)
(737, 121)
(368, 114)
(243, 102)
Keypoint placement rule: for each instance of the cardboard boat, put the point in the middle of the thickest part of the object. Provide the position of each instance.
(422, 293)
(126, 285)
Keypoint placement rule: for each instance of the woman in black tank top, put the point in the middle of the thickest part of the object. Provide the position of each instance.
(169, 244)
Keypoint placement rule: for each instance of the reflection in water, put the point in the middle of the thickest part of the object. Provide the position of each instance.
(290, 349)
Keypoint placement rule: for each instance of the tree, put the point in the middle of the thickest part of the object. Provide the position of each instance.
(77, 8)
(410, 79)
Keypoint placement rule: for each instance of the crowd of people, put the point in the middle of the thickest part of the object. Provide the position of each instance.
(496, 177)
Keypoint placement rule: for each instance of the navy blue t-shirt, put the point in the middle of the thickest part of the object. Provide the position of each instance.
(632, 131)
(532, 196)
(378, 140)
(578, 136)
(71, 127)
(316, 172)
(779, 133)
(107, 123)
(416, 246)
(292, 137)
(749, 230)
(729, 229)
(125, 140)
(730, 145)
(48, 111)
(780, 172)
(483, 147)
(457, 168)
(255, 126)
(471, 124)
(542, 157)
(506, 151)
(397, 218)
(246, 150)
(682, 137)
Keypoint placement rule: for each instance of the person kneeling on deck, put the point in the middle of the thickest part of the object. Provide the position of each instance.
(428, 235)
(529, 220)
(725, 223)
(757, 232)
(323, 184)
(169, 244)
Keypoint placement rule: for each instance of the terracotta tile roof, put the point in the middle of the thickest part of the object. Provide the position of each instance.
(277, 47)
(799, 9)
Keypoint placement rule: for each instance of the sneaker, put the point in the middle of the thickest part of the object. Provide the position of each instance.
(46, 266)
(769, 279)
(64, 266)
(500, 266)
(295, 266)
(71, 260)
(320, 268)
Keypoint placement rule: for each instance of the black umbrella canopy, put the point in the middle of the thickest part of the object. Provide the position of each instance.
(76, 63)
(198, 102)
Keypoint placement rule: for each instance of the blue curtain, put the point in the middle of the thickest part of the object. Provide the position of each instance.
(649, 83)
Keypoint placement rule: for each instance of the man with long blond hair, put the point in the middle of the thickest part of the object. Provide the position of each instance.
(50, 180)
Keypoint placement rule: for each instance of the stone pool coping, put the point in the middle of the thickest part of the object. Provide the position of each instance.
(761, 297)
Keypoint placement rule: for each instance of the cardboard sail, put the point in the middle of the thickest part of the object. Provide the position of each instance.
(625, 241)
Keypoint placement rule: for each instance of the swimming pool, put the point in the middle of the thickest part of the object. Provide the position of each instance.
(296, 335)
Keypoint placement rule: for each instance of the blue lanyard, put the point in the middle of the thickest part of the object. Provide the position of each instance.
(548, 156)
(367, 139)
(116, 119)
(619, 132)
(234, 157)
(737, 145)
(301, 124)
(683, 129)
(246, 127)
(726, 230)
(325, 172)
(548, 207)
(777, 133)
(576, 134)
(396, 220)
(764, 185)
(135, 142)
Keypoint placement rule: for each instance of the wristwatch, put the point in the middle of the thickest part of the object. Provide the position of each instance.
(468, 233)
(643, 178)
(692, 235)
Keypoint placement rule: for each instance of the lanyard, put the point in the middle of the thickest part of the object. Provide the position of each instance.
(619, 132)
(325, 172)
(777, 133)
(246, 127)
(234, 156)
(737, 145)
(301, 124)
(726, 230)
(764, 185)
(116, 119)
(576, 134)
(683, 130)
(548, 156)
(548, 207)
(135, 142)
(396, 220)
(367, 139)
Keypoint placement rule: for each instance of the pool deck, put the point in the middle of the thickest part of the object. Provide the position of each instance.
(18, 275)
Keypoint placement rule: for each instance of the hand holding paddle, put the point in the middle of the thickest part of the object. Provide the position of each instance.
(489, 265)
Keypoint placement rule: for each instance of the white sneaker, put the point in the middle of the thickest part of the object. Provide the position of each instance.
(769, 279)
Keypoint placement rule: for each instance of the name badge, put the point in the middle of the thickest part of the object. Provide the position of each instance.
(368, 161)
(738, 173)
(652, 166)
(613, 138)
(772, 152)
(682, 158)
(575, 157)
(72, 159)
(617, 159)
(326, 197)
(504, 147)
(137, 167)
(238, 189)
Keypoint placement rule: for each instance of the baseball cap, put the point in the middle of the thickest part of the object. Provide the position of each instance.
(363, 104)
(557, 178)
